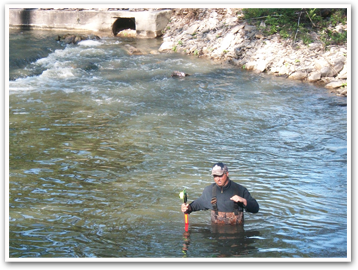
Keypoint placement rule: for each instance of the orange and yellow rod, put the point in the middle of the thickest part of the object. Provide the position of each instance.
(183, 195)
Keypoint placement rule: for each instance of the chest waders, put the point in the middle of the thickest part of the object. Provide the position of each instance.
(231, 218)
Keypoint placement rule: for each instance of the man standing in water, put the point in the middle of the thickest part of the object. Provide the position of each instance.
(226, 199)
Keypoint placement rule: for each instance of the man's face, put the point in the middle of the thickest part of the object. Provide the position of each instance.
(221, 180)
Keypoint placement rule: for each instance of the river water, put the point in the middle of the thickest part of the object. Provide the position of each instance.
(101, 143)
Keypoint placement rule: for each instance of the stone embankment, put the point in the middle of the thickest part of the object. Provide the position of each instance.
(221, 35)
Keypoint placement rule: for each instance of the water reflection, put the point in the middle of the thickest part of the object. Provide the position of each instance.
(221, 241)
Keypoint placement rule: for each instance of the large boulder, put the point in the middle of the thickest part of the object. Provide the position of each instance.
(343, 73)
(298, 75)
(127, 33)
(334, 85)
(314, 77)
(166, 46)
(332, 71)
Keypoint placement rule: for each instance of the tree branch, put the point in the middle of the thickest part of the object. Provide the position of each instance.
(263, 17)
(310, 18)
(298, 24)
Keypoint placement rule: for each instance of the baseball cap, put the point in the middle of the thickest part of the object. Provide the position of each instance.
(219, 169)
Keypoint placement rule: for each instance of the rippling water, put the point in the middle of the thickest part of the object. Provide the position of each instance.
(101, 143)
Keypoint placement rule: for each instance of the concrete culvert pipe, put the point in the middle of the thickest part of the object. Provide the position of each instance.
(122, 24)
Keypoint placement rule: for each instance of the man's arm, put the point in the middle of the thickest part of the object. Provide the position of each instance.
(202, 203)
(249, 203)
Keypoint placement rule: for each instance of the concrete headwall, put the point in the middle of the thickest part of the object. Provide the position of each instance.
(148, 24)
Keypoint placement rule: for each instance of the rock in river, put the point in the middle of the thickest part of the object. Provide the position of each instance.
(179, 74)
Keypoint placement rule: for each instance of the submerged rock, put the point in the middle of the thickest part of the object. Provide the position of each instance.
(179, 74)
(132, 50)
(75, 38)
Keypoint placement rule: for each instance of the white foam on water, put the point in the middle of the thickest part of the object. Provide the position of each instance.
(91, 52)
(89, 43)
(61, 73)
(21, 84)
(58, 66)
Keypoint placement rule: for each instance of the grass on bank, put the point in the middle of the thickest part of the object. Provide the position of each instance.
(306, 24)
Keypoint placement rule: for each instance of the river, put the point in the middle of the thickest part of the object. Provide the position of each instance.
(102, 142)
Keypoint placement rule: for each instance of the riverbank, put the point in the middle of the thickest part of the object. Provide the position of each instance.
(221, 34)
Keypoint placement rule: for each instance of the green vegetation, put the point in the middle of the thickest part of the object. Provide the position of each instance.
(301, 23)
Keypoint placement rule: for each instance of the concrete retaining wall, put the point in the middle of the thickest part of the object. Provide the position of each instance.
(148, 24)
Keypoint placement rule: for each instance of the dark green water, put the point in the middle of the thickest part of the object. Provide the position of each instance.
(101, 143)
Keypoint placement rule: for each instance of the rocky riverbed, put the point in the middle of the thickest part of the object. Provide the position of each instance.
(222, 35)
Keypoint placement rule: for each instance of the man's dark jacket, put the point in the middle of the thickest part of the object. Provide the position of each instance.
(223, 195)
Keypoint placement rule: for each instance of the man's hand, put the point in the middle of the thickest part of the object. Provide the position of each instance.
(237, 198)
(185, 207)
